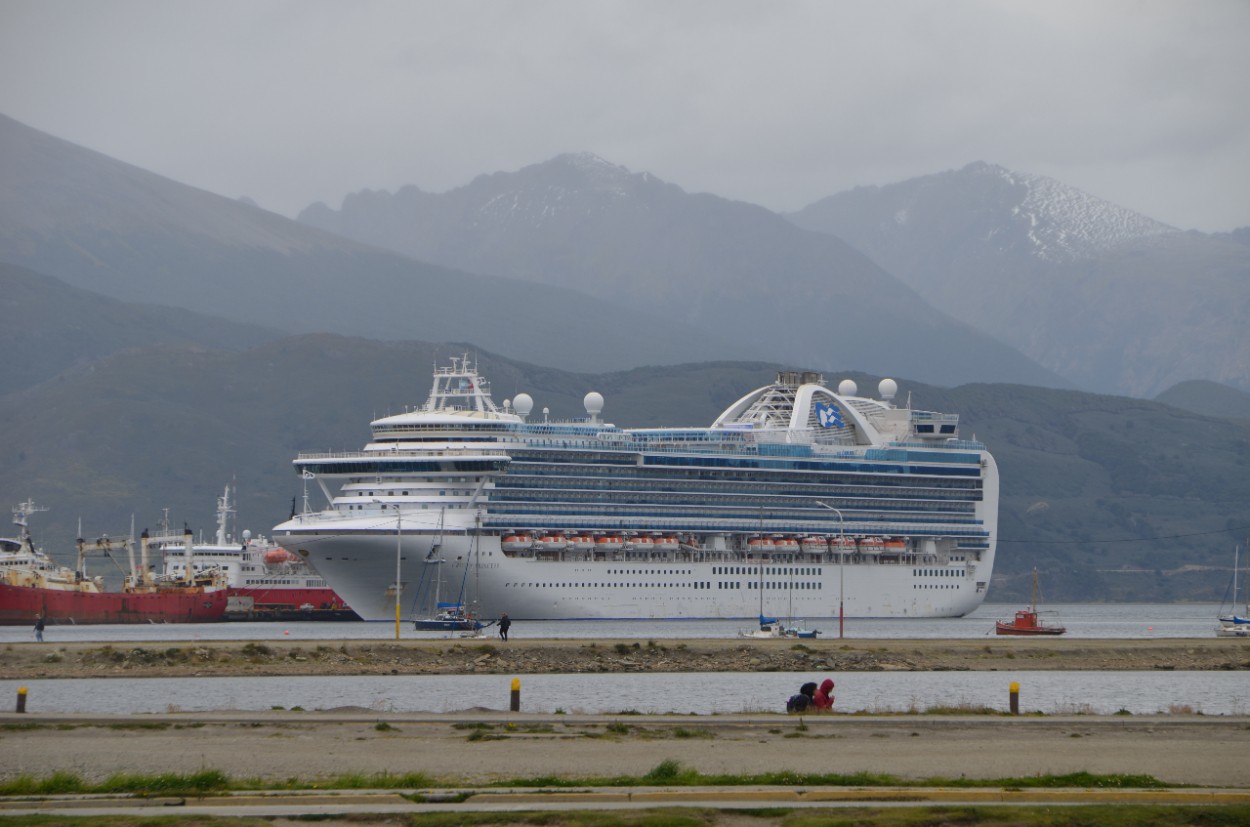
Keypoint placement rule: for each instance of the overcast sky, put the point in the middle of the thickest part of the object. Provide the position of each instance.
(779, 103)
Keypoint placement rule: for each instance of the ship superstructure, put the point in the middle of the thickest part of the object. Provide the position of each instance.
(795, 499)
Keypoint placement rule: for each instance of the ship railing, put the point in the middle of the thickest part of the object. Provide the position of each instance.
(400, 452)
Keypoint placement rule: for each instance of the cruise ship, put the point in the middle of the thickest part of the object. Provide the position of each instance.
(797, 501)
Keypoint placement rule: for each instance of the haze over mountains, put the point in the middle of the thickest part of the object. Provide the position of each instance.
(103, 225)
(1109, 299)
(148, 361)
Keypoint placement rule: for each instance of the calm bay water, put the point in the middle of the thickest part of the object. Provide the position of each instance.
(1212, 693)
(1083, 620)
(1142, 693)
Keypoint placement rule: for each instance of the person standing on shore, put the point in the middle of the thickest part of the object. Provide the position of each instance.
(39, 629)
(504, 623)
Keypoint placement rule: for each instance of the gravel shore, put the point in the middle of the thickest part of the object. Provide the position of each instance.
(488, 656)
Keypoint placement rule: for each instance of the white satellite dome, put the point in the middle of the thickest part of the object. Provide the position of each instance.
(523, 404)
(247, 534)
(888, 388)
(847, 387)
(594, 403)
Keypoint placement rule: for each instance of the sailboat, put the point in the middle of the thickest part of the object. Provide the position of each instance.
(447, 617)
(1233, 624)
(771, 627)
(1026, 621)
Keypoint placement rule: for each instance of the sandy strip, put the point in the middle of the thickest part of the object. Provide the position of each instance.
(280, 745)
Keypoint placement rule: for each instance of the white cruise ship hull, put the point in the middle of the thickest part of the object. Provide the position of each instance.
(362, 565)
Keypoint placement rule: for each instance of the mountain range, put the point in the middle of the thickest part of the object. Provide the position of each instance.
(1105, 297)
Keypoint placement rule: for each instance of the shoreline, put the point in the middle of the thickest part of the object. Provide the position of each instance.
(242, 658)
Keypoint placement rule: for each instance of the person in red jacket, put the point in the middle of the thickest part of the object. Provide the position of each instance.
(823, 700)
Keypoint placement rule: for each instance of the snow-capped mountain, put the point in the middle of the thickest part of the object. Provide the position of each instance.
(695, 260)
(1106, 297)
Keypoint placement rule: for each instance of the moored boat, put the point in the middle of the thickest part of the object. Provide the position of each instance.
(33, 585)
(263, 580)
(1027, 622)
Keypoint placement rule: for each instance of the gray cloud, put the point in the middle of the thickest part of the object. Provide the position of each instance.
(780, 103)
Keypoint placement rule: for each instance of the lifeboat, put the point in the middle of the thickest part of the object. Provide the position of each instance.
(871, 545)
(583, 542)
(895, 545)
(642, 544)
(842, 544)
(786, 545)
(666, 544)
(277, 556)
(814, 545)
(551, 542)
(515, 542)
(760, 545)
(609, 542)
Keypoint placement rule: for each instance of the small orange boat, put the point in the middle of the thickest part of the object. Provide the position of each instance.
(1026, 621)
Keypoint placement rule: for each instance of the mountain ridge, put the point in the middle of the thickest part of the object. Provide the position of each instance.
(699, 261)
(1107, 298)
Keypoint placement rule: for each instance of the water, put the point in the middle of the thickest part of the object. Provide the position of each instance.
(1212, 693)
(1083, 620)
(1142, 693)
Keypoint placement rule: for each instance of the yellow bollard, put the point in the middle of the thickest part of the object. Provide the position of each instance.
(516, 694)
(21, 699)
(1015, 697)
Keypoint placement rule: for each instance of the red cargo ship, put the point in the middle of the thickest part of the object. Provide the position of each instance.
(264, 580)
(32, 586)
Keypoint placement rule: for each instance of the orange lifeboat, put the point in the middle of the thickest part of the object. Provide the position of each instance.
(609, 542)
(871, 545)
(277, 556)
(842, 545)
(760, 545)
(786, 545)
(814, 545)
(552, 542)
(515, 542)
(583, 542)
(895, 545)
(666, 543)
(642, 544)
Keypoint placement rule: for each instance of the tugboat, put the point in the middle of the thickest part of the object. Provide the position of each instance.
(1026, 621)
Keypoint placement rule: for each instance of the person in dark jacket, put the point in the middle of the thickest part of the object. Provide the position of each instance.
(504, 623)
(823, 699)
(39, 629)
